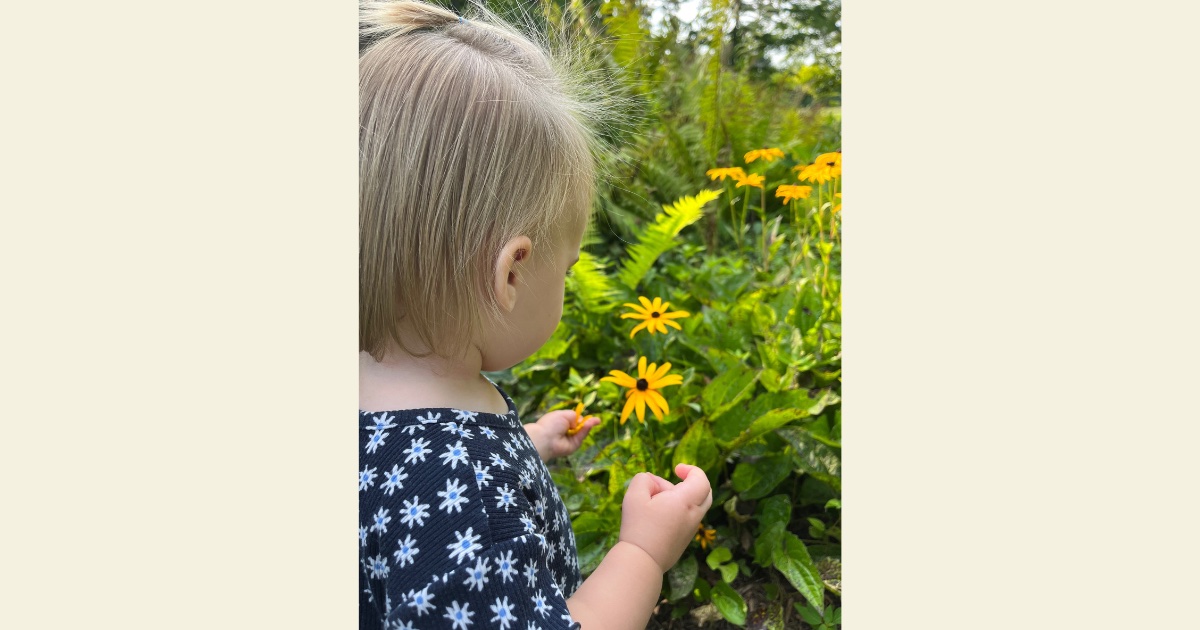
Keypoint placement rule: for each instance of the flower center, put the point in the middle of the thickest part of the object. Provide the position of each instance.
(830, 163)
(642, 384)
(654, 314)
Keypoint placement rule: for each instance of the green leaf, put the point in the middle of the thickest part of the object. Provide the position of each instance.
(810, 616)
(774, 510)
(728, 389)
(812, 456)
(682, 577)
(717, 556)
(796, 565)
(766, 423)
(590, 285)
(756, 479)
(697, 447)
(729, 603)
(728, 571)
(659, 236)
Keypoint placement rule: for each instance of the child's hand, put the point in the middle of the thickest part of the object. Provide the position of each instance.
(661, 517)
(556, 434)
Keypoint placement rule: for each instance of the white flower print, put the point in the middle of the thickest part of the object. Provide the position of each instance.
(362, 535)
(478, 576)
(465, 546)
(421, 600)
(375, 441)
(550, 553)
(503, 611)
(417, 450)
(533, 626)
(465, 416)
(512, 452)
(411, 429)
(454, 455)
(408, 625)
(531, 575)
(525, 480)
(496, 461)
(382, 422)
(481, 475)
(453, 497)
(461, 430)
(504, 498)
(415, 512)
(370, 595)
(381, 520)
(487, 431)
(407, 549)
(460, 618)
(378, 566)
(366, 478)
(539, 604)
(528, 523)
(539, 509)
(506, 566)
(393, 479)
(430, 418)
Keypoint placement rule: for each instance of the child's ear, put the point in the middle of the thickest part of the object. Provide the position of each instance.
(511, 265)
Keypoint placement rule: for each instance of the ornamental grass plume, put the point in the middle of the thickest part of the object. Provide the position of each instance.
(789, 192)
(643, 391)
(735, 172)
(654, 315)
(767, 155)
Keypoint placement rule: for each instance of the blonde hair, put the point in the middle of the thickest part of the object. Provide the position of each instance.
(470, 134)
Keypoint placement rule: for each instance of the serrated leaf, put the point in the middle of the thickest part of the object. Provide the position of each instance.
(681, 579)
(796, 565)
(754, 480)
(729, 603)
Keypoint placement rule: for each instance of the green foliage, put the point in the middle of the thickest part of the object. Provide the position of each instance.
(759, 406)
(659, 236)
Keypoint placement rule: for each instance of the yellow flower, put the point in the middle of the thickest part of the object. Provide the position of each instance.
(655, 315)
(706, 536)
(643, 390)
(790, 192)
(768, 155)
(577, 423)
(735, 172)
(837, 208)
(827, 166)
(753, 179)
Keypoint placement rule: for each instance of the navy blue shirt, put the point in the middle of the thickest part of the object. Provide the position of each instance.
(460, 526)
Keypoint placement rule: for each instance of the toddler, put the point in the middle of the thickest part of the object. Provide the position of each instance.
(476, 181)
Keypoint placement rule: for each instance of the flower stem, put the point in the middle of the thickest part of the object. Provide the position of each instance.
(762, 217)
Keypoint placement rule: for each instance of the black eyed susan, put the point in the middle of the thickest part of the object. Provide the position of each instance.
(754, 179)
(705, 536)
(766, 155)
(655, 316)
(790, 192)
(827, 166)
(643, 390)
(735, 172)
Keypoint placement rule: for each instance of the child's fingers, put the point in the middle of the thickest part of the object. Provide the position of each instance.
(695, 486)
(646, 485)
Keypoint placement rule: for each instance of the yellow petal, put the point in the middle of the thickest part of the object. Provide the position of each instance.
(653, 404)
(670, 379)
(640, 326)
(676, 315)
(627, 409)
(662, 371)
(641, 407)
(620, 378)
(645, 303)
(637, 308)
(670, 323)
(642, 367)
(657, 398)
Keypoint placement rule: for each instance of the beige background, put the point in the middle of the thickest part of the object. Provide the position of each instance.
(178, 257)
